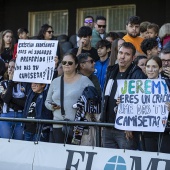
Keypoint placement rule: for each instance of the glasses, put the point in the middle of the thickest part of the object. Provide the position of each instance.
(67, 62)
(88, 21)
(164, 61)
(91, 61)
(101, 26)
(50, 32)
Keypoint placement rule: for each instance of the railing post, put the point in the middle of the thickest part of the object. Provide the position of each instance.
(98, 136)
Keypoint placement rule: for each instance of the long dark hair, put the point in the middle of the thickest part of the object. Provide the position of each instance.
(2, 43)
(156, 59)
(114, 51)
(43, 30)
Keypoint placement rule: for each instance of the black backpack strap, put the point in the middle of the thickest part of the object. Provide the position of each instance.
(62, 95)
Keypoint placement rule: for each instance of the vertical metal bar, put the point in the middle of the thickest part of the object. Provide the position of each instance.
(98, 136)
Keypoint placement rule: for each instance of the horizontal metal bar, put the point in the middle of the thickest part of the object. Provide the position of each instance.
(60, 122)
(57, 122)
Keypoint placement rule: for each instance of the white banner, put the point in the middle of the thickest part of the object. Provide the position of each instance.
(23, 155)
(142, 105)
(35, 61)
(16, 155)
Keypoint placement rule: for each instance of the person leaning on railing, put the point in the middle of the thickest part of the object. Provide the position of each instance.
(13, 97)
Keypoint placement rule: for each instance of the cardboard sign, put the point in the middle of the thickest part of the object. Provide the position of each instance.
(35, 61)
(142, 105)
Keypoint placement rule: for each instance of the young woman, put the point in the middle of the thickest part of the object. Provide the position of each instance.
(74, 84)
(153, 70)
(141, 62)
(6, 46)
(13, 97)
(45, 33)
(114, 50)
(153, 67)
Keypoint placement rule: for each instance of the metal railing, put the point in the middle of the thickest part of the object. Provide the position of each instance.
(98, 125)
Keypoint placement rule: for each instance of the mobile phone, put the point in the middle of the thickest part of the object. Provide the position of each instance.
(52, 103)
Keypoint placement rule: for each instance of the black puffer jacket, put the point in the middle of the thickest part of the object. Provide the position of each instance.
(12, 102)
(132, 72)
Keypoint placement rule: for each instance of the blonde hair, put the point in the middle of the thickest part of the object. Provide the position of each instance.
(164, 30)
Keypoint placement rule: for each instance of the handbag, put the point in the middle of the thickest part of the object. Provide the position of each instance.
(67, 130)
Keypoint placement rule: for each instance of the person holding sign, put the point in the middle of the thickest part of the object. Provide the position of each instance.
(73, 86)
(153, 70)
(47, 33)
(35, 109)
(125, 69)
(13, 96)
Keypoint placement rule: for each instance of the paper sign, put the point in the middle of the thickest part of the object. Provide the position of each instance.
(35, 61)
(142, 106)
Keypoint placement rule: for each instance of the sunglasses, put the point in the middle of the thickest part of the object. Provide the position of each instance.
(101, 26)
(88, 21)
(91, 61)
(50, 32)
(67, 62)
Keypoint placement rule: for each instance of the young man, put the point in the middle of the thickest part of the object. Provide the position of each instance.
(89, 21)
(85, 35)
(103, 49)
(22, 34)
(86, 67)
(35, 109)
(133, 30)
(150, 47)
(99, 32)
(125, 69)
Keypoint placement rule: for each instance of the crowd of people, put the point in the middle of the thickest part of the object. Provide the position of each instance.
(87, 65)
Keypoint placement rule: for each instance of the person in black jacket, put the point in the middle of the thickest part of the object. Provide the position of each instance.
(125, 69)
(35, 109)
(13, 97)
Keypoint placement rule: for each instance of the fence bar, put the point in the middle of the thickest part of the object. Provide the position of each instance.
(99, 124)
(57, 122)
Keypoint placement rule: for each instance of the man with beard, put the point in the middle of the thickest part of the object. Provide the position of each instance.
(99, 30)
(85, 35)
(133, 31)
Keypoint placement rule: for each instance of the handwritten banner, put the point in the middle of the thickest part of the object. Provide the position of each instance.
(142, 105)
(35, 61)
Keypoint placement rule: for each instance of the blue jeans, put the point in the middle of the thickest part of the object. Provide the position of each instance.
(12, 130)
(43, 136)
(114, 138)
